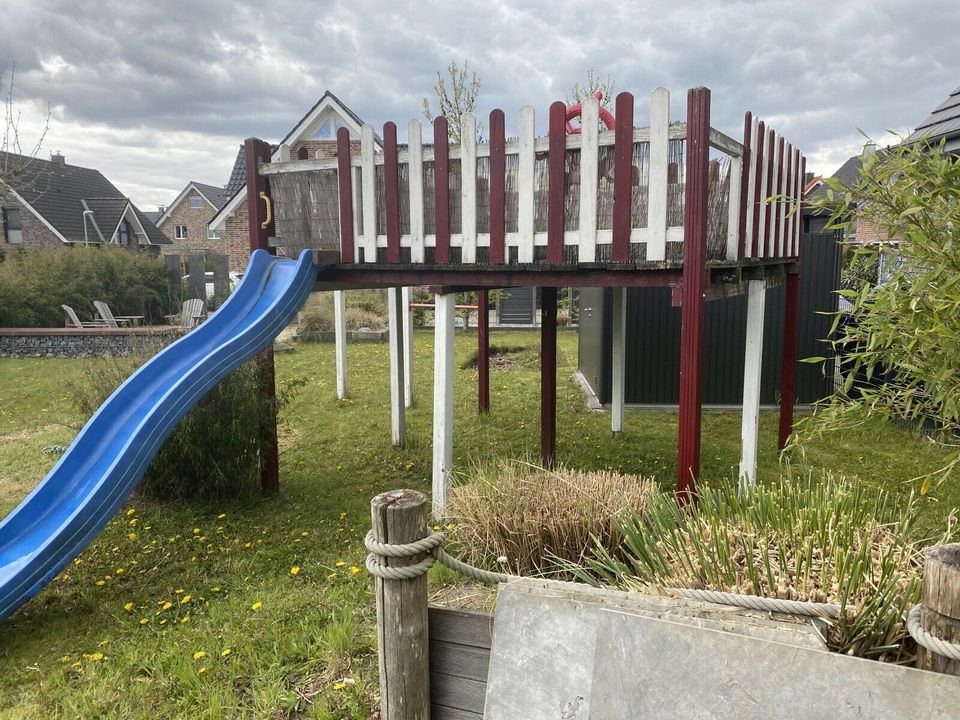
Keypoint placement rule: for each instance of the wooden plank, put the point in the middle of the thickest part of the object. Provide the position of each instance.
(753, 357)
(462, 627)
(443, 370)
(468, 188)
(548, 376)
(589, 179)
(696, 194)
(340, 338)
(618, 357)
(759, 239)
(369, 195)
(733, 209)
(457, 693)
(725, 143)
(415, 180)
(788, 370)
(745, 175)
(556, 175)
(396, 312)
(498, 175)
(657, 185)
(440, 712)
(345, 188)
(622, 178)
(391, 191)
(525, 186)
(463, 661)
(441, 189)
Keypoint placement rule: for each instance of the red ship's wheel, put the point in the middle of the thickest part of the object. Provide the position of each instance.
(576, 109)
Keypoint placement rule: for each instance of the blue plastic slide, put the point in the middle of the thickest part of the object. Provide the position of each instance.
(107, 459)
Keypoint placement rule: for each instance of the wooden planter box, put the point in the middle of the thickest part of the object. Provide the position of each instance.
(353, 336)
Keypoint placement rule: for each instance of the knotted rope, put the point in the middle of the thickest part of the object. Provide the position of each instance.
(925, 639)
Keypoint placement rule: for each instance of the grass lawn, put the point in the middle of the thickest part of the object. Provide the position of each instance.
(261, 609)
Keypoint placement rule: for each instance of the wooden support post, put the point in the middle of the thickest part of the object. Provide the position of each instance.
(406, 297)
(941, 605)
(340, 340)
(398, 434)
(399, 518)
(788, 373)
(753, 356)
(619, 352)
(548, 376)
(259, 231)
(444, 313)
(694, 283)
(483, 351)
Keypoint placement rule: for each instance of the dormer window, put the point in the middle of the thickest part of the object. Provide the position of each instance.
(196, 202)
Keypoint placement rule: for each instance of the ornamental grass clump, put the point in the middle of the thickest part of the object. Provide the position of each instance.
(514, 516)
(822, 541)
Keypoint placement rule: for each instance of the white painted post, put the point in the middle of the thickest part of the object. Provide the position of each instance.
(589, 178)
(525, 180)
(368, 178)
(340, 338)
(751, 187)
(468, 188)
(395, 324)
(756, 297)
(619, 351)
(283, 153)
(442, 401)
(406, 297)
(735, 173)
(415, 157)
(657, 183)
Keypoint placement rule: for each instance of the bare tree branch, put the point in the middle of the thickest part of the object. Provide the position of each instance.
(456, 100)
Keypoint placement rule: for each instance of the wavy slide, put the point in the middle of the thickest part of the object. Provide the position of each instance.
(107, 459)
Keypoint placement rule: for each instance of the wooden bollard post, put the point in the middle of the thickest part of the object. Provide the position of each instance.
(399, 517)
(941, 605)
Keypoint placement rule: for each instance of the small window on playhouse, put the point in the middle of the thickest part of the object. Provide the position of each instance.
(180, 232)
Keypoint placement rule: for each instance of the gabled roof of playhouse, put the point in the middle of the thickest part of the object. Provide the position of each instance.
(942, 124)
(329, 106)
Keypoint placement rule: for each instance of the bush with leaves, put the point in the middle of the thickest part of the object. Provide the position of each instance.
(215, 452)
(901, 339)
(35, 283)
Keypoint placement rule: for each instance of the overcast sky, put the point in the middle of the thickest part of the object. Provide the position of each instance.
(156, 94)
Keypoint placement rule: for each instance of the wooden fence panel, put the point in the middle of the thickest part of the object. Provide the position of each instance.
(459, 661)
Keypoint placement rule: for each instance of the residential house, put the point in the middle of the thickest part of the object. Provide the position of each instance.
(48, 203)
(943, 124)
(314, 136)
(185, 221)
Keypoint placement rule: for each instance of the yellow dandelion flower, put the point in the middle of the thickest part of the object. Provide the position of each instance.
(75, 664)
(100, 583)
(257, 605)
(199, 654)
(132, 537)
(143, 621)
(354, 569)
(331, 575)
(196, 531)
(185, 599)
(178, 591)
(133, 523)
(103, 643)
(94, 657)
(166, 605)
(65, 658)
(163, 622)
(215, 588)
(340, 563)
(295, 570)
(120, 571)
(131, 511)
(305, 533)
(225, 652)
(185, 619)
(247, 545)
(201, 670)
(221, 516)
(339, 686)
(128, 606)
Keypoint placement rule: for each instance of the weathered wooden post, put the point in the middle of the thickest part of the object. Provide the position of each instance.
(399, 517)
(941, 605)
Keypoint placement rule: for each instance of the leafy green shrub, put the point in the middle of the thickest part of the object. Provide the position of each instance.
(529, 517)
(35, 283)
(827, 541)
(364, 310)
(215, 451)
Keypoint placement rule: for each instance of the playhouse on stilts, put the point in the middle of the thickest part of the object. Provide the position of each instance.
(608, 204)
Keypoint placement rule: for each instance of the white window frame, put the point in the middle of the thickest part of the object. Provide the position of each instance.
(14, 236)
(180, 232)
(212, 233)
(196, 202)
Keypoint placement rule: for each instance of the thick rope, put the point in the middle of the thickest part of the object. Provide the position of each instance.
(755, 602)
(431, 545)
(925, 639)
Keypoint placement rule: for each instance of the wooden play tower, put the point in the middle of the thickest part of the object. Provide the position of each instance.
(673, 204)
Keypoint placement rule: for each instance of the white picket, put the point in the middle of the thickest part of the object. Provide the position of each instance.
(751, 188)
(657, 185)
(734, 173)
(468, 188)
(589, 179)
(368, 179)
(773, 207)
(762, 207)
(415, 174)
(525, 188)
(786, 187)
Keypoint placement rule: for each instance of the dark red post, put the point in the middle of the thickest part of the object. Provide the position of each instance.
(259, 232)
(483, 351)
(744, 182)
(556, 161)
(696, 194)
(391, 191)
(441, 189)
(622, 178)
(498, 175)
(548, 377)
(345, 185)
(791, 323)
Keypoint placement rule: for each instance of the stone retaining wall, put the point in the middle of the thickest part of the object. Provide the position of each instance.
(69, 342)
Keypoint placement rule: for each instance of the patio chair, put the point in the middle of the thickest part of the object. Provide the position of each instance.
(72, 321)
(190, 315)
(103, 310)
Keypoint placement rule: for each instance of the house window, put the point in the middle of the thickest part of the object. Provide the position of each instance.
(123, 233)
(212, 234)
(13, 231)
(180, 232)
(196, 202)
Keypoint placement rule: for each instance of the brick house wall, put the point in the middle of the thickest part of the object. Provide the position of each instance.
(35, 233)
(195, 220)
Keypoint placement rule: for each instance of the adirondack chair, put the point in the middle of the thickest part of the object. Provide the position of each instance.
(103, 310)
(72, 321)
(190, 315)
